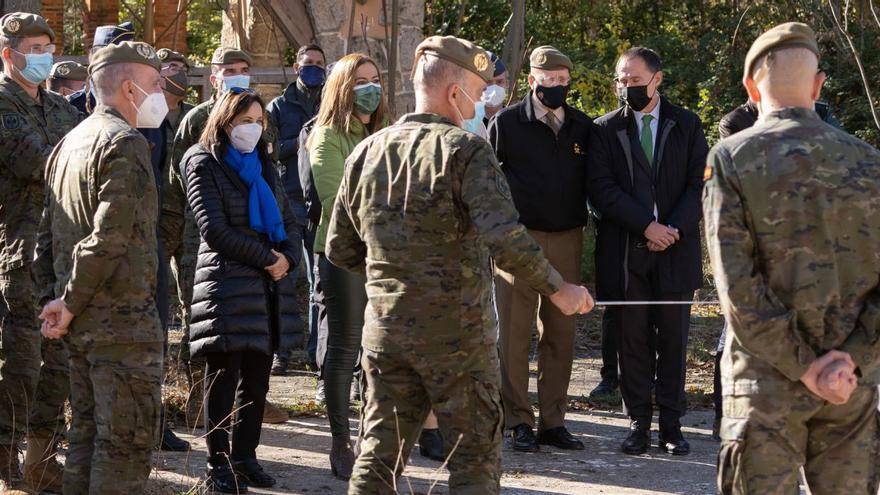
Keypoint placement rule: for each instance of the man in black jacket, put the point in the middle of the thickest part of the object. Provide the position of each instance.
(645, 181)
(541, 144)
(288, 113)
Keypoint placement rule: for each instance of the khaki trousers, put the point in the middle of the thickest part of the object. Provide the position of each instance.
(518, 304)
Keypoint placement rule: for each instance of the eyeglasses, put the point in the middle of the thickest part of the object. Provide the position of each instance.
(553, 80)
(174, 68)
(237, 91)
(39, 50)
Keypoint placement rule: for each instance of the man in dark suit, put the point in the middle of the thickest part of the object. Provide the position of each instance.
(645, 181)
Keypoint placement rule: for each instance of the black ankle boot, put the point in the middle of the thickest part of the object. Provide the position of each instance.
(222, 479)
(431, 444)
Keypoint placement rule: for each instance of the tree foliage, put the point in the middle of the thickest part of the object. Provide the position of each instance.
(702, 42)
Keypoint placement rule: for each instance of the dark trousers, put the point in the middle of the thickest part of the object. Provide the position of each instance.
(647, 332)
(610, 332)
(239, 379)
(345, 297)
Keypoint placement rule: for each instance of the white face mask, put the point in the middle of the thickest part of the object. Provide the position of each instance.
(244, 137)
(494, 96)
(152, 111)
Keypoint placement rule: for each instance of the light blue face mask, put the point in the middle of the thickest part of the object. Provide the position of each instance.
(240, 81)
(474, 123)
(37, 67)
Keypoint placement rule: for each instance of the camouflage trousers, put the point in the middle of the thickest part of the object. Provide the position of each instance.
(19, 353)
(115, 394)
(767, 438)
(463, 388)
(183, 269)
(53, 389)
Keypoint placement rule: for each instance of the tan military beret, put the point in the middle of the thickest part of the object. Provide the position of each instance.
(25, 25)
(223, 56)
(460, 52)
(167, 55)
(135, 52)
(70, 71)
(548, 58)
(788, 35)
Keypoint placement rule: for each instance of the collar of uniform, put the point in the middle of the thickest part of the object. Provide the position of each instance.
(106, 109)
(20, 93)
(796, 113)
(425, 118)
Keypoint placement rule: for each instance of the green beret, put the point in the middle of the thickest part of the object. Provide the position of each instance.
(788, 35)
(224, 56)
(460, 52)
(548, 58)
(25, 25)
(70, 71)
(134, 52)
(167, 55)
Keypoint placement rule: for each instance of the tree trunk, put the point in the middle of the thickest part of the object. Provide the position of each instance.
(514, 44)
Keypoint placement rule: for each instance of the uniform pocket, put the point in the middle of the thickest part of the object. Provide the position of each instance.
(134, 420)
(731, 468)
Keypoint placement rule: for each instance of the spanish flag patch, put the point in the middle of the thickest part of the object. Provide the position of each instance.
(708, 172)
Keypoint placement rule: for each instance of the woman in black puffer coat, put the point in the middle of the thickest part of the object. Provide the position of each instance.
(243, 304)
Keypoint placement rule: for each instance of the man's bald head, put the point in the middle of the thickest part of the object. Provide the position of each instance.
(789, 77)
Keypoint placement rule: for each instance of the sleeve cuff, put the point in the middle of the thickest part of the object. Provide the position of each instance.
(795, 368)
(552, 283)
(75, 304)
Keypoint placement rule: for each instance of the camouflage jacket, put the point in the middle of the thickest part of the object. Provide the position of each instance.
(422, 206)
(97, 246)
(28, 132)
(792, 209)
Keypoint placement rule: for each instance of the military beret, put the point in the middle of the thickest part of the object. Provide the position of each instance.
(460, 52)
(223, 56)
(167, 55)
(133, 52)
(500, 68)
(69, 70)
(788, 35)
(25, 25)
(548, 58)
(112, 35)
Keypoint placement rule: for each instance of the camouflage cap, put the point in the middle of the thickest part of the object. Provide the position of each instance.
(24, 24)
(460, 52)
(223, 56)
(548, 58)
(133, 52)
(788, 35)
(167, 55)
(70, 71)
(111, 35)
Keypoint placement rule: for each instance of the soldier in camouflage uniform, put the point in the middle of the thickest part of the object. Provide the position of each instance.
(792, 210)
(98, 253)
(32, 121)
(422, 206)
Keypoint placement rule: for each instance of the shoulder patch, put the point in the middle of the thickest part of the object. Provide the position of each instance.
(11, 121)
(708, 172)
(502, 185)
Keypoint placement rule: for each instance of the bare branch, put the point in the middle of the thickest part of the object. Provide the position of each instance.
(858, 60)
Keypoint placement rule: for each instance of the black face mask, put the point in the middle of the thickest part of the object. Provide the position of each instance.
(553, 97)
(635, 96)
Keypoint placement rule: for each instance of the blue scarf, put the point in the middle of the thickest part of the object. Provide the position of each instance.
(264, 214)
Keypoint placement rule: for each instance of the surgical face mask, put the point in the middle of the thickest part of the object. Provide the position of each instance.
(367, 98)
(552, 97)
(312, 75)
(242, 81)
(473, 124)
(494, 96)
(37, 67)
(244, 137)
(152, 111)
(635, 96)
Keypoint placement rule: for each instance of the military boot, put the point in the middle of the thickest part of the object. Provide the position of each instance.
(10, 473)
(42, 471)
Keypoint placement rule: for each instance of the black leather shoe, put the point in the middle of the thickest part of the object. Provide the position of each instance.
(431, 444)
(251, 473)
(673, 442)
(173, 443)
(221, 479)
(279, 365)
(716, 430)
(523, 438)
(605, 388)
(638, 440)
(560, 438)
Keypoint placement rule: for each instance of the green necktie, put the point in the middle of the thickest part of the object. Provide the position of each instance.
(646, 138)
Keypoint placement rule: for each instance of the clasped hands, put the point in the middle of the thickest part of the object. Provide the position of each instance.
(832, 377)
(660, 236)
(280, 268)
(56, 319)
